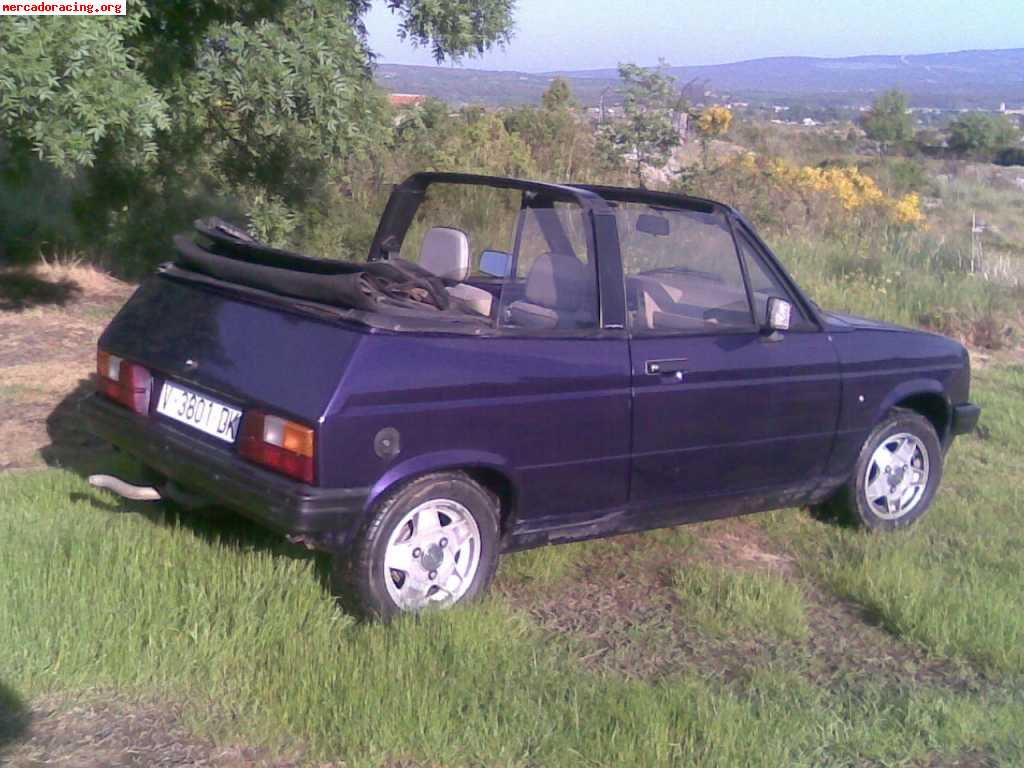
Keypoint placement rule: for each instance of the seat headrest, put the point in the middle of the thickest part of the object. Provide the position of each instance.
(445, 252)
(559, 281)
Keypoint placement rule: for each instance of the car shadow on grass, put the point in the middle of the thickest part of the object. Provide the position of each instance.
(216, 526)
(14, 717)
(833, 513)
(71, 445)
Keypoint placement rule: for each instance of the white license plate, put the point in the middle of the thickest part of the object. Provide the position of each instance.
(199, 411)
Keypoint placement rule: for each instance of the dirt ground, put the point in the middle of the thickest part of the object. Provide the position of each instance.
(50, 320)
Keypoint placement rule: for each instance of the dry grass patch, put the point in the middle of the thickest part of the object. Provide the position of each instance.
(93, 281)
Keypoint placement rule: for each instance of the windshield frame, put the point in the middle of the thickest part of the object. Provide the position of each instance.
(601, 242)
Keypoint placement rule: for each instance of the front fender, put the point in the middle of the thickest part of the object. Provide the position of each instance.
(436, 462)
(908, 389)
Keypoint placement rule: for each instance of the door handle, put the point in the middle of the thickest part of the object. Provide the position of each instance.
(666, 367)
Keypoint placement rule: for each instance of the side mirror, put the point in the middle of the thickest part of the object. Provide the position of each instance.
(495, 263)
(779, 313)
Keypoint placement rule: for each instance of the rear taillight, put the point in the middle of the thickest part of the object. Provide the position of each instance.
(279, 444)
(124, 382)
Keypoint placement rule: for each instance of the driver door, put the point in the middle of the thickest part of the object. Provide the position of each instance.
(721, 412)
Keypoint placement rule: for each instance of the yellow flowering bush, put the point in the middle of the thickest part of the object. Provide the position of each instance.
(714, 121)
(846, 185)
(907, 210)
(837, 198)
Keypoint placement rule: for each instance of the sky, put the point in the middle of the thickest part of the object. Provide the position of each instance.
(593, 34)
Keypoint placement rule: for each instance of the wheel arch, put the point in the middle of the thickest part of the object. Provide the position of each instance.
(926, 397)
(489, 470)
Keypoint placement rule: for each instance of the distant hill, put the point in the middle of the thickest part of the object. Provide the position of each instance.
(945, 80)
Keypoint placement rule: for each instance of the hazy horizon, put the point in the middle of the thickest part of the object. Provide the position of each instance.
(597, 34)
(474, 65)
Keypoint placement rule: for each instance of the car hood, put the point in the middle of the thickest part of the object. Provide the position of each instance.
(839, 321)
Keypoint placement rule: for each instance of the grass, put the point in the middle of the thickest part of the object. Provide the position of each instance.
(234, 625)
(930, 277)
(729, 602)
(233, 628)
(542, 567)
(912, 289)
(15, 392)
(956, 583)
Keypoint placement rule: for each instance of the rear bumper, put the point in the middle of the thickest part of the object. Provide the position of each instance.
(965, 418)
(328, 516)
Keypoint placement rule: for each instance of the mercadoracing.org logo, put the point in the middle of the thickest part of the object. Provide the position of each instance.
(62, 9)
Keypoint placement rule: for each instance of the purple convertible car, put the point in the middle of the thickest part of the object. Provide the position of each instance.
(516, 364)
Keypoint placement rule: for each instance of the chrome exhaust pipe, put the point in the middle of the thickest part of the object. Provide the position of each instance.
(123, 489)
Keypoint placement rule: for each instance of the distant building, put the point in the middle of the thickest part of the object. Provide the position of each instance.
(406, 99)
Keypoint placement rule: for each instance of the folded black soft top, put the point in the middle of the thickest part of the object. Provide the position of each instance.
(227, 253)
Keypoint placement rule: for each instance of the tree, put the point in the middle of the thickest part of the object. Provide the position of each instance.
(976, 132)
(477, 141)
(558, 96)
(253, 102)
(646, 130)
(559, 136)
(888, 121)
(450, 28)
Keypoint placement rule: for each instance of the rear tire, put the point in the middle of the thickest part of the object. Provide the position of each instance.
(898, 471)
(431, 543)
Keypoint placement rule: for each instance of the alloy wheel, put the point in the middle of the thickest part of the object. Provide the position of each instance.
(432, 555)
(897, 476)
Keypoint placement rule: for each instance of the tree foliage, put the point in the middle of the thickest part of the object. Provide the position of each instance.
(68, 86)
(255, 103)
(711, 122)
(559, 136)
(646, 130)
(714, 121)
(976, 132)
(558, 96)
(888, 121)
(453, 28)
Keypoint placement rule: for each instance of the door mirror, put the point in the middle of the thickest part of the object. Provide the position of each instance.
(779, 313)
(495, 263)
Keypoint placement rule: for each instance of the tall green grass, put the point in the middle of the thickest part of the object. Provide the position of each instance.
(912, 284)
(955, 582)
(98, 597)
(740, 603)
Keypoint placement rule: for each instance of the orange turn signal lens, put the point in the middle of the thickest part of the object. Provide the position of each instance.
(288, 435)
(298, 439)
(279, 444)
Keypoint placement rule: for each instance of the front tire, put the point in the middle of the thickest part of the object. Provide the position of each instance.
(431, 543)
(898, 471)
